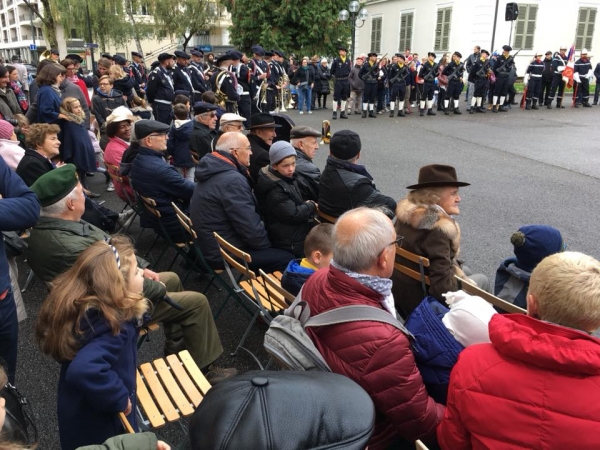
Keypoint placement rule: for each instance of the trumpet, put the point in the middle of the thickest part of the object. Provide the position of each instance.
(283, 82)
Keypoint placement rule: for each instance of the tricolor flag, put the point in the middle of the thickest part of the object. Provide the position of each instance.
(570, 68)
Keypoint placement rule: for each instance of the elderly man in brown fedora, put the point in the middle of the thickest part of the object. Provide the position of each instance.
(262, 133)
(425, 217)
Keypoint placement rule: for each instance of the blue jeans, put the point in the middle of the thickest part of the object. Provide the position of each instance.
(304, 96)
(9, 333)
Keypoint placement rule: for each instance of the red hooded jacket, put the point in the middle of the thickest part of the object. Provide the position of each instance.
(536, 386)
(375, 355)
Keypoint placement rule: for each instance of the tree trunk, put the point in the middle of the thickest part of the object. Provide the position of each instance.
(129, 7)
(186, 40)
(49, 26)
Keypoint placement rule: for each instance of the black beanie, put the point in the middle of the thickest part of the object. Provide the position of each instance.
(345, 144)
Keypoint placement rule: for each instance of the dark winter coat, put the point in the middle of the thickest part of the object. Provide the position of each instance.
(295, 276)
(97, 384)
(19, 209)
(308, 176)
(104, 104)
(428, 231)
(324, 75)
(375, 355)
(126, 85)
(48, 105)
(151, 176)
(259, 157)
(178, 144)
(223, 202)
(345, 186)
(436, 350)
(302, 76)
(288, 218)
(512, 283)
(76, 146)
(356, 84)
(32, 166)
(201, 139)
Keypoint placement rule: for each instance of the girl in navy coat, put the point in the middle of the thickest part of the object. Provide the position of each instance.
(90, 323)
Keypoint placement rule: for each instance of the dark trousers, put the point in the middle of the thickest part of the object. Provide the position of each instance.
(441, 98)
(381, 98)
(557, 82)
(545, 92)
(398, 92)
(596, 92)
(583, 91)
(490, 92)
(428, 90)
(100, 216)
(480, 87)
(269, 259)
(341, 90)
(322, 100)
(245, 109)
(370, 93)
(454, 89)
(162, 112)
(9, 334)
(534, 87)
(501, 87)
(511, 95)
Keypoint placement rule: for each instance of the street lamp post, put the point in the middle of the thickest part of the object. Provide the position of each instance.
(356, 14)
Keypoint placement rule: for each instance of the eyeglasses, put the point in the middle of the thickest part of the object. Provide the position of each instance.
(397, 242)
(103, 84)
(248, 149)
(211, 115)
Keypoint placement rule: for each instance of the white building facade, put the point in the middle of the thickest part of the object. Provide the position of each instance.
(447, 26)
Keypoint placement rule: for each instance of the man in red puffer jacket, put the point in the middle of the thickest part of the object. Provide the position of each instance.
(537, 385)
(376, 355)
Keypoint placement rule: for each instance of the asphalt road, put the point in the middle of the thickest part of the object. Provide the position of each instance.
(525, 167)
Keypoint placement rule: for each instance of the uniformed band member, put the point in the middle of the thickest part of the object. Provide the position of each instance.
(160, 89)
(139, 72)
(454, 71)
(224, 84)
(559, 62)
(534, 84)
(260, 73)
(428, 72)
(340, 71)
(504, 64)
(479, 77)
(582, 73)
(272, 80)
(182, 79)
(368, 73)
(196, 71)
(397, 74)
(242, 74)
(277, 72)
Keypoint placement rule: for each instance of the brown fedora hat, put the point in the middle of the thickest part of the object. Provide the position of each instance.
(436, 175)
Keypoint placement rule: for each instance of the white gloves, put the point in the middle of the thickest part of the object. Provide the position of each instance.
(576, 77)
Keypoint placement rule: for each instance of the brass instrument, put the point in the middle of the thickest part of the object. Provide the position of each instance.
(281, 84)
(326, 132)
(263, 92)
(220, 96)
(45, 55)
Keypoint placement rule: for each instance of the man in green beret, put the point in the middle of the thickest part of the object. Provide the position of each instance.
(60, 236)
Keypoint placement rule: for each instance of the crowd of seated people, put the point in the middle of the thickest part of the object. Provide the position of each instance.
(424, 379)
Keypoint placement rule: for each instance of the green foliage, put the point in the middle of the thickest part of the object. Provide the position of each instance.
(304, 27)
(184, 18)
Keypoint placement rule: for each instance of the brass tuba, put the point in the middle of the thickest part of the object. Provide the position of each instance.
(45, 55)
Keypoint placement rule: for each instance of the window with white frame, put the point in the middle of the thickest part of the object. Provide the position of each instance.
(525, 27)
(406, 29)
(442, 30)
(376, 23)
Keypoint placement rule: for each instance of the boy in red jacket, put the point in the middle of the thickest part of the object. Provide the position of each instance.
(537, 385)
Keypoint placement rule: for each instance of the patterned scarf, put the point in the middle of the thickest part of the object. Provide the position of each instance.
(383, 286)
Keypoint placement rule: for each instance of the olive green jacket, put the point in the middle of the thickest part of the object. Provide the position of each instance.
(138, 441)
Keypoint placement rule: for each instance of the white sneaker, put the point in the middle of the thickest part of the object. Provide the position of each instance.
(301, 112)
(111, 187)
(310, 112)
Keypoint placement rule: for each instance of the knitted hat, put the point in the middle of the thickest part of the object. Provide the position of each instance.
(533, 243)
(6, 129)
(271, 410)
(56, 184)
(345, 144)
(279, 151)
(468, 318)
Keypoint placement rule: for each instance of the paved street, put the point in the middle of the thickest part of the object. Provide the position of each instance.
(525, 167)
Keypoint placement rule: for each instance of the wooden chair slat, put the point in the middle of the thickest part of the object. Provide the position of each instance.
(147, 403)
(490, 298)
(326, 217)
(273, 286)
(184, 405)
(148, 328)
(271, 306)
(158, 392)
(278, 275)
(184, 380)
(232, 249)
(411, 273)
(271, 295)
(184, 220)
(194, 372)
(236, 265)
(126, 423)
(412, 256)
(150, 205)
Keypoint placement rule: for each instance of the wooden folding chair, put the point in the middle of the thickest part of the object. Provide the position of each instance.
(275, 293)
(167, 390)
(403, 254)
(246, 288)
(180, 248)
(497, 302)
(188, 228)
(325, 218)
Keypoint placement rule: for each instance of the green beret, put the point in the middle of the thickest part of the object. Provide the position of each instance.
(56, 184)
